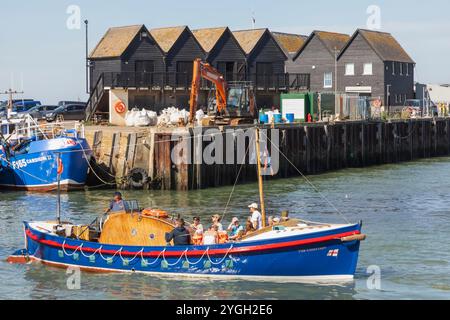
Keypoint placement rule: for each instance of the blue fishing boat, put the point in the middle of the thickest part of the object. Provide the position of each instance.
(300, 251)
(290, 250)
(29, 152)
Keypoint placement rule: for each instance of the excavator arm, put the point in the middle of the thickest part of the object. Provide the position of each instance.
(206, 71)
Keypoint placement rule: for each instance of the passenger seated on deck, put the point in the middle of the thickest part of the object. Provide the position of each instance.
(249, 227)
(216, 222)
(197, 227)
(180, 235)
(235, 230)
(117, 204)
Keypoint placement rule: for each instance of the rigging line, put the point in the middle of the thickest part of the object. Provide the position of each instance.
(90, 166)
(308, 181)
(236, 182)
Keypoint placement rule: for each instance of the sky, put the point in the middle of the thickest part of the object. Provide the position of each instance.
(42, 50)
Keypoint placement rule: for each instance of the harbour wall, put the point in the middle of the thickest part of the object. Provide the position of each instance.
(311, 148)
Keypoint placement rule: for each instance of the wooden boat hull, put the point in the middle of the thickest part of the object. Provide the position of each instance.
(323, 255)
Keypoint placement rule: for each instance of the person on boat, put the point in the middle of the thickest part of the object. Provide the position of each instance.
(256, 217)
(249, 226)
(273, 221)
(235, 230)
(180, 234)
(197, 227)
(216, 222)
(117, 204)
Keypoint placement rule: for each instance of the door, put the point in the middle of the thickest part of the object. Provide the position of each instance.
(227, 69)
(144, 73)
(264, 74)
(184, 73)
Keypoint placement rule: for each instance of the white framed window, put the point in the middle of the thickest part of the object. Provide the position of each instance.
(393, 68)
(368, 69)
(407, 69)
(401, 68)
(328, 80)
(350, 69)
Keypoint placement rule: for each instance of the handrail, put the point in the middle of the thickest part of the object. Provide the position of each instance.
(95, 97)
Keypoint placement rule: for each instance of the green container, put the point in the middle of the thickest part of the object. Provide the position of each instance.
(295, 103)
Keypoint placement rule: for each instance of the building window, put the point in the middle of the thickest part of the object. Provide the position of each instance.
(328, 80)
(350, 69)
(401, 68)
(368, 69)
(407, 69)
(393, 68)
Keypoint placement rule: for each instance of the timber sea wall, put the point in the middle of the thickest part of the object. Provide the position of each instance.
(312, 148)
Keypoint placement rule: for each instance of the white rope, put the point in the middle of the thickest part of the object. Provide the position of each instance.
(92, 169)
(221, 261)
(95, 252)
(179, 259)
(73, 253)
(199, 260)
(156, 260)
(131, 260)
(106, 259)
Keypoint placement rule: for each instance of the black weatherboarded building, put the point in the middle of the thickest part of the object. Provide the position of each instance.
(374, 63)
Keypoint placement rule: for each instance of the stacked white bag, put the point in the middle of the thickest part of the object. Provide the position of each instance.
(171, 117)
(143, 118)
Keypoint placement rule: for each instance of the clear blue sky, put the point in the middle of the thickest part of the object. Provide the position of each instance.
(36, 45)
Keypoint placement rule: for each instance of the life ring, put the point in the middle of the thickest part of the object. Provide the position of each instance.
(120, 107)
(377, 103)
(138, 177)
(161, 214)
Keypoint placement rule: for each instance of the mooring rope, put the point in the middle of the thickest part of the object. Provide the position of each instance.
(307, 180)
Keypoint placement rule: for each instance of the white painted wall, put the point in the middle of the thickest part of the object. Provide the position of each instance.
(115, 96)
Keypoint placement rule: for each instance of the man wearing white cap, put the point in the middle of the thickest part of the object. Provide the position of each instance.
(256, 217)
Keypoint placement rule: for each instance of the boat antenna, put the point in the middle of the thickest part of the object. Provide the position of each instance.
(260, 178)
(58, 174)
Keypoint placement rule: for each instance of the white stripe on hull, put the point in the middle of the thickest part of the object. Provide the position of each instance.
(324, 280)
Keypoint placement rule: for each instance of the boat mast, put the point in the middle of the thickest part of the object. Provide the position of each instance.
(260, 178)
(58, 174)
(10, 94)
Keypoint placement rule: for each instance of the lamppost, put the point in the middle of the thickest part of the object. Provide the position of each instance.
(388, 94)
(86, 23)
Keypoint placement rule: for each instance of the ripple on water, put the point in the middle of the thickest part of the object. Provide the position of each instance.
(405, 210)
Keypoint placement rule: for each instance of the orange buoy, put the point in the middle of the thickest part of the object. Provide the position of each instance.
(161, 214)
(120, 107)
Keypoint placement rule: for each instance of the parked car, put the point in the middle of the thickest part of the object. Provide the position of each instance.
(67, 112)
(38, 112)
(65, 103)
(18, 106)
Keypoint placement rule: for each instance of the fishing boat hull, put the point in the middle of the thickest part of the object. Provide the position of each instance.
(328, 255)
(36, 170)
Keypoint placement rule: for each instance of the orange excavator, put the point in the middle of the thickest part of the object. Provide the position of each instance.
(233, 104)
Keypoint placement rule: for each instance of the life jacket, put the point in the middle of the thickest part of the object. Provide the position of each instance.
(197, 239)
(223, 237)
(161, 214)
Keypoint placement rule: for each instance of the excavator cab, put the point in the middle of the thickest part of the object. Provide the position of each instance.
(240, 106)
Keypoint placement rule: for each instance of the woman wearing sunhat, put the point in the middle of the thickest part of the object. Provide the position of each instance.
(216, 222)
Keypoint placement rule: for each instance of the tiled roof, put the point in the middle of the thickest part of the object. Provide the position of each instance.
(166, 37)
(386, 46)
(333, 41)
(115, 42)
(208, 37)
(248, 39)
(291, 43)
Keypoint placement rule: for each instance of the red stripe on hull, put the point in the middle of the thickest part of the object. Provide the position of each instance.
(197, 253)
(64, 187)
